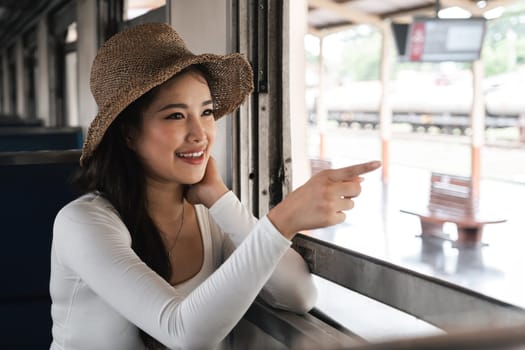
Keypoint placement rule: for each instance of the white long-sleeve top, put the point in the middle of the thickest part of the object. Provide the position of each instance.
(101, 291)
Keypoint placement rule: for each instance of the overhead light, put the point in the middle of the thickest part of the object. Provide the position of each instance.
(311, 44)
(494, 13)
(481, 4)
(454, 12)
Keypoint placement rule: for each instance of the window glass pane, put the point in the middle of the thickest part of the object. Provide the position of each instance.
(71, 35)
(136, 8)
(429, 105)
(71, 90)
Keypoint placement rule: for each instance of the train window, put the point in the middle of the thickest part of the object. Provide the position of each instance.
(11, 71)
(71, 90)
(1, 89)
(70, 76)
(342, 92)
(433, 128)
(30, 60)
(71, 34)
(4, 88)
(136, 8)
(63, 44)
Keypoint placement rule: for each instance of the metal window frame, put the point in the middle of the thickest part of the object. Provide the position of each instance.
(494, 324)
(443, 304)
(259, 127)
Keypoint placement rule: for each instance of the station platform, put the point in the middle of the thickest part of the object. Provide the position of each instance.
(376, 227)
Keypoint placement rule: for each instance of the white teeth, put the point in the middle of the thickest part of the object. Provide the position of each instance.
(191, 155)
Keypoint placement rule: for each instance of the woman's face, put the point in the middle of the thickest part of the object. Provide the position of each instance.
(177, 131)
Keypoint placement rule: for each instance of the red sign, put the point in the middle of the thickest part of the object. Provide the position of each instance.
(417, 41)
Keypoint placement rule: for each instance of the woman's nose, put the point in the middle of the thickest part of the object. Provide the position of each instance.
(196, 130)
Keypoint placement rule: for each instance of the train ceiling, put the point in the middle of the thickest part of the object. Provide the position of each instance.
(324, 16)
(17, 15)
(12, 13)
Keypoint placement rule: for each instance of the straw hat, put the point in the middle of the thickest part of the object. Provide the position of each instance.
(138, 59)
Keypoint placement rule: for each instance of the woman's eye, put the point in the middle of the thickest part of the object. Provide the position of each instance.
(207, 112)
(175, 116)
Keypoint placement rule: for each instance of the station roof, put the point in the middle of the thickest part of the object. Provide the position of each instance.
(329, 16)
(324, 16)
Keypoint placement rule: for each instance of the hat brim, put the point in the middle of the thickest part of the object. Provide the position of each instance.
(230, 79)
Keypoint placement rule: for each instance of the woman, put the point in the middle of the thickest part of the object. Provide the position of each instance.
(159, 252)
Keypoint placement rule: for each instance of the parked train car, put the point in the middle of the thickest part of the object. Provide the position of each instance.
(441, 105)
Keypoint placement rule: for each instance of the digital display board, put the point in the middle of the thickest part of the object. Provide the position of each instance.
(438, 40)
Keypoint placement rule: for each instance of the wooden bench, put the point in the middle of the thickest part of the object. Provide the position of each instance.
(452, 199)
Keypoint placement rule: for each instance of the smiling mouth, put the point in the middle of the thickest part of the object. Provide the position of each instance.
(190, 155)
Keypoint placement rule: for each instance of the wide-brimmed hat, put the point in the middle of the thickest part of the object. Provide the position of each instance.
(138, 59)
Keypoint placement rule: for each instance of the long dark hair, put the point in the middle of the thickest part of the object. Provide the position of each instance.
(115, 171)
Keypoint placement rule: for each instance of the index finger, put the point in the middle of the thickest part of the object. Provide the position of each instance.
(347, 173)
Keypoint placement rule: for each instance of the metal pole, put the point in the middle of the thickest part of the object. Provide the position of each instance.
(321, 109)
(478, 124)
(385, 113)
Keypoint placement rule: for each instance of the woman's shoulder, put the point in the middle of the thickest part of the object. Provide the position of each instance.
(88, 224)
(86, 207)
(89, 219)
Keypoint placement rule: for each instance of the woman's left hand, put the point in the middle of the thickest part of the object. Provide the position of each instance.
(209, 189)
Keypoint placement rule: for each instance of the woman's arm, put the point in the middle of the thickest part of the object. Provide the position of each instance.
(291, 285)
(93, 242)
(320, 202)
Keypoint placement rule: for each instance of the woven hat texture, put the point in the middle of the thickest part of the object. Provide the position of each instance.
(138, 59)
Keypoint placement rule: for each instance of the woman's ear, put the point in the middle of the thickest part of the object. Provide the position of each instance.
(129, 135)
(129, 142)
